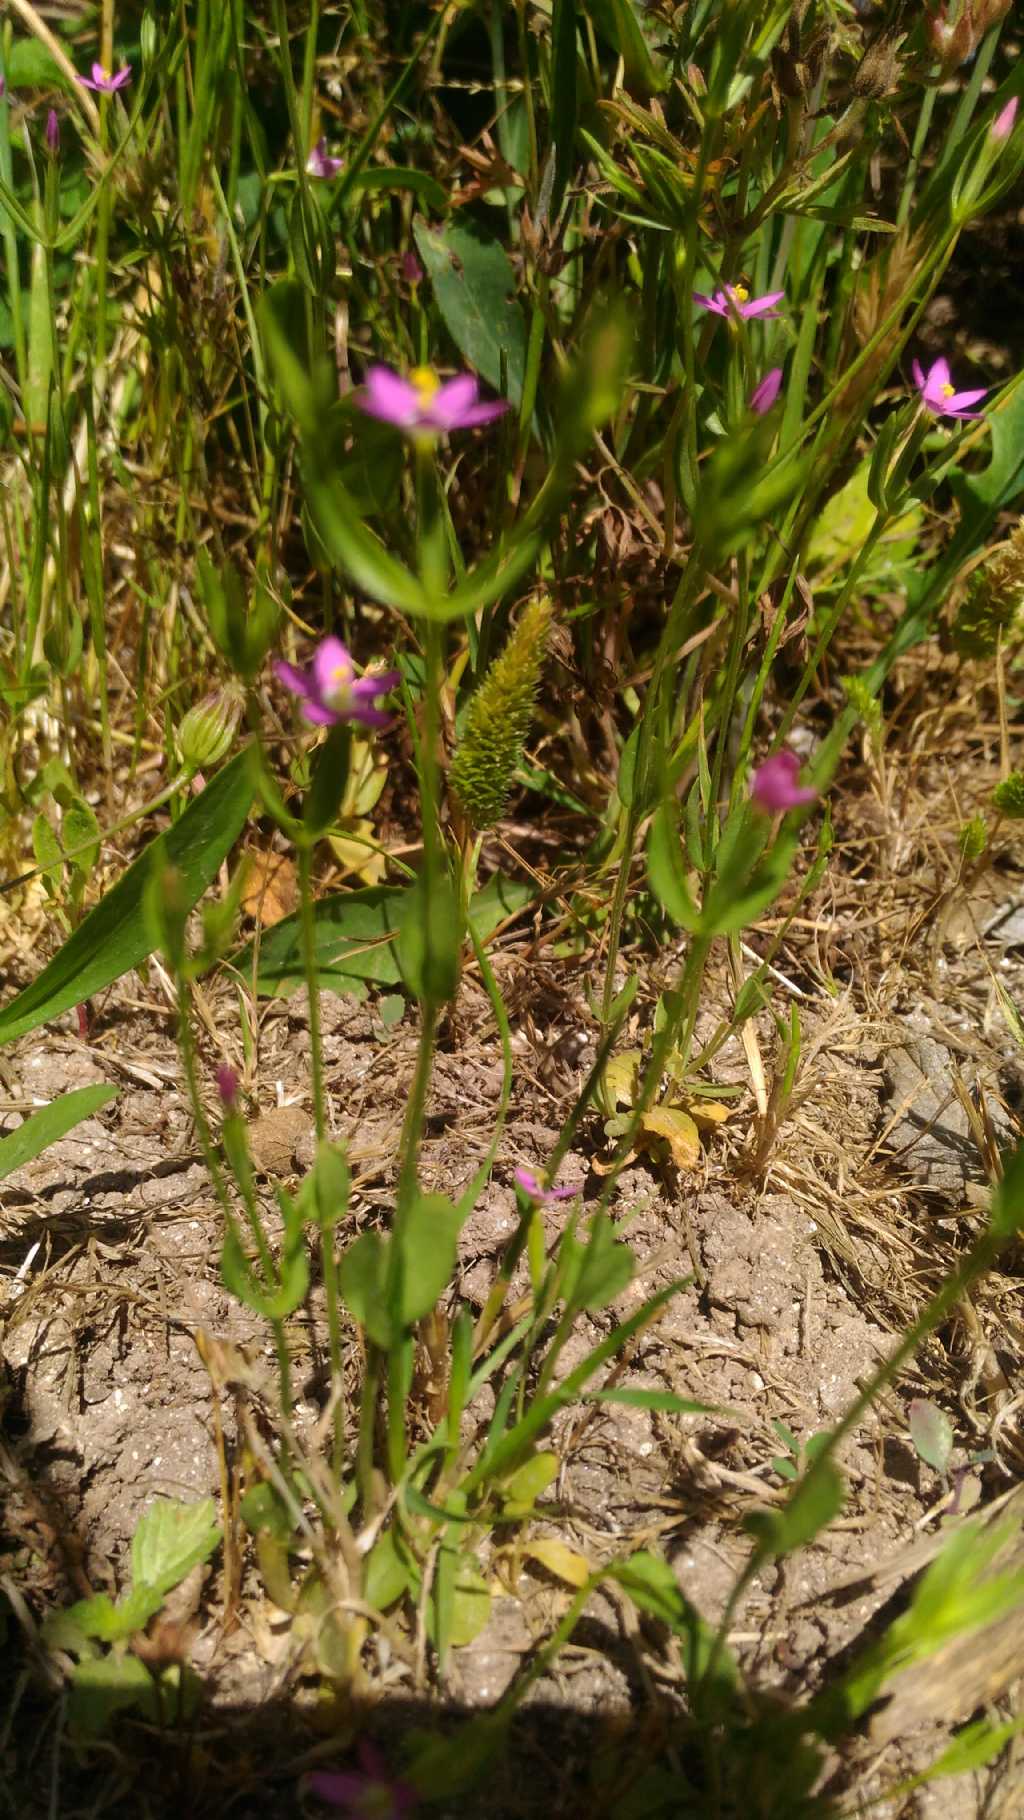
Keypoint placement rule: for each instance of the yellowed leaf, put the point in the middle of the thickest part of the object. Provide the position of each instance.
(708, 1112)
(678, 1131)
(559, 1559)
(617, 1086)
(357, 852)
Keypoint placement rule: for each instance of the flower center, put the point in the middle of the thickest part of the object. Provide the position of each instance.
(738, 293)
(341, 683)
(948, 390)
(426, 383)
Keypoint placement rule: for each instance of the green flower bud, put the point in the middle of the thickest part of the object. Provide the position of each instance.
(208, 729)
(498, 721)
(1009, 796)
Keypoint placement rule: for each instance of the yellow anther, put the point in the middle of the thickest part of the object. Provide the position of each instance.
(948, 390)
(739, 293)
(426, 382)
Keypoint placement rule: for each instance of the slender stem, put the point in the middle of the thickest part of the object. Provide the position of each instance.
(328, 1262)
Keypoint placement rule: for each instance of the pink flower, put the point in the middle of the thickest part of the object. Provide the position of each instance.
(764, 395)
(939, 396)
(104, 84)
(319, 164)
(368, 1793)
(529, 1183)
(736, 300)
(774, 786)
(329, 691)
(422, 404)
(1002, 125)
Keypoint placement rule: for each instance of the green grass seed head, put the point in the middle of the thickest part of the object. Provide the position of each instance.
(498, 720)
(993, 602)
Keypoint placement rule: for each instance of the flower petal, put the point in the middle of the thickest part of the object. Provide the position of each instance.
(330, 657)
(764, 395)
(297, 681)
(717, 303)
(447, 409)
(761, 306)
(938, 374)
(391, 398)
(342, 1788)
(320, 715)
(378, 682)
(960, 399)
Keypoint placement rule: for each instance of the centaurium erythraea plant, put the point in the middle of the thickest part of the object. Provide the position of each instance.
(774, 787)
(330, 691)
(423, 404)
(320, 163)
(367, 1793)
(532, 1186)
(939, 395)
(103, 83)
(735, 300)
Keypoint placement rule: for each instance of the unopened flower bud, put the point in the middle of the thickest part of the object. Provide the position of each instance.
(412, 271)
(52, 132)
(206, 733)
(1002, 125)
(227, 1086)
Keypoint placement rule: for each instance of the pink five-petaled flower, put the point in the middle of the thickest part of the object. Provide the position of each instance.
(422, 405)
(320, 163)
(774, 787)
(368, 1793)
(764, 395)
(531, 1185)
(330, 691)
(736, 300)
(105, 84)
(939, 396)
(1003, 124)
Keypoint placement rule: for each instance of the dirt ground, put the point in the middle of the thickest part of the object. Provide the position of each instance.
(805, 1265)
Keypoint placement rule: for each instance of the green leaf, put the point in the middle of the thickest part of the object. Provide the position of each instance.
(44, 1127)
(815, 1501)
(652, 1585)
(470, 1600)
(931, 1432)
(349, 543)
(28, 64)
(385, 1577)
(666, 869)
(564, 97)
(102, 1688)
(354, 935)
(273, 1301)
(362, 1282)
(99, 1617)
(603, 1268)
(115, 936)
(429, 939)
(170, 1538)
(474, 285)
(427, 1251)
(404, 177)
(1007, 1214)
(264, 1512)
